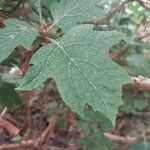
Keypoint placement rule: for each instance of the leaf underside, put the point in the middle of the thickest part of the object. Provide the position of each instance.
(14, 34)
(82, 70)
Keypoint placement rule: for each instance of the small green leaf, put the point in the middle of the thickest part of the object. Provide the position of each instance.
(140, 104)
(15, 33)
(141, 145)
(93, 129)
(82, 70)
(8, 96)
(16, 139)
(67, 13)
(139, 64)
(94, 139)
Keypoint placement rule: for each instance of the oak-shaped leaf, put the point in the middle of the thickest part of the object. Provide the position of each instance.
(15, 33)
(83, 72)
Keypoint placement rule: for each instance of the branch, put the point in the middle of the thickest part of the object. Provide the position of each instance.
(33, 143)
(142, 114)
(3, 16)
(29, 144)
(143, 36)
(109, 15)
(38, 5)
(24, 145)
(144, 3)
(128, 139)
(112, 12)
(122, 139)
(141, 82)
(48, 131)
(8, 126)
(29, 119)
(117, 55)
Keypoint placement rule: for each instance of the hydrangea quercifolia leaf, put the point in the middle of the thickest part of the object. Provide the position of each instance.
(82, 70)
(14, 34)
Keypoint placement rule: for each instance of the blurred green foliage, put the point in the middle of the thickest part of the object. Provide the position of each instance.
(137, 62)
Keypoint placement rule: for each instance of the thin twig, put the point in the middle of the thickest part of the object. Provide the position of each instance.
(17, 6)
(34, 143)
(141, 82)
(109, 15)
(143, 36)
(29, 118)
(113, 11)
(24, 144)
(3, 112)
(125, 139)
(48, 131)
(117, 55)
(9, 127)
(142, 114)
(38, 5)
(122, 139)
(144, 3)
(30, 144)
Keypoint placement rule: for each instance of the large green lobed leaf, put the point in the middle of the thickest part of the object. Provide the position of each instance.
(14, 34)
(83, 72)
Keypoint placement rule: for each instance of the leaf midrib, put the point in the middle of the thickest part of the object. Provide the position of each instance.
(72, 60)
